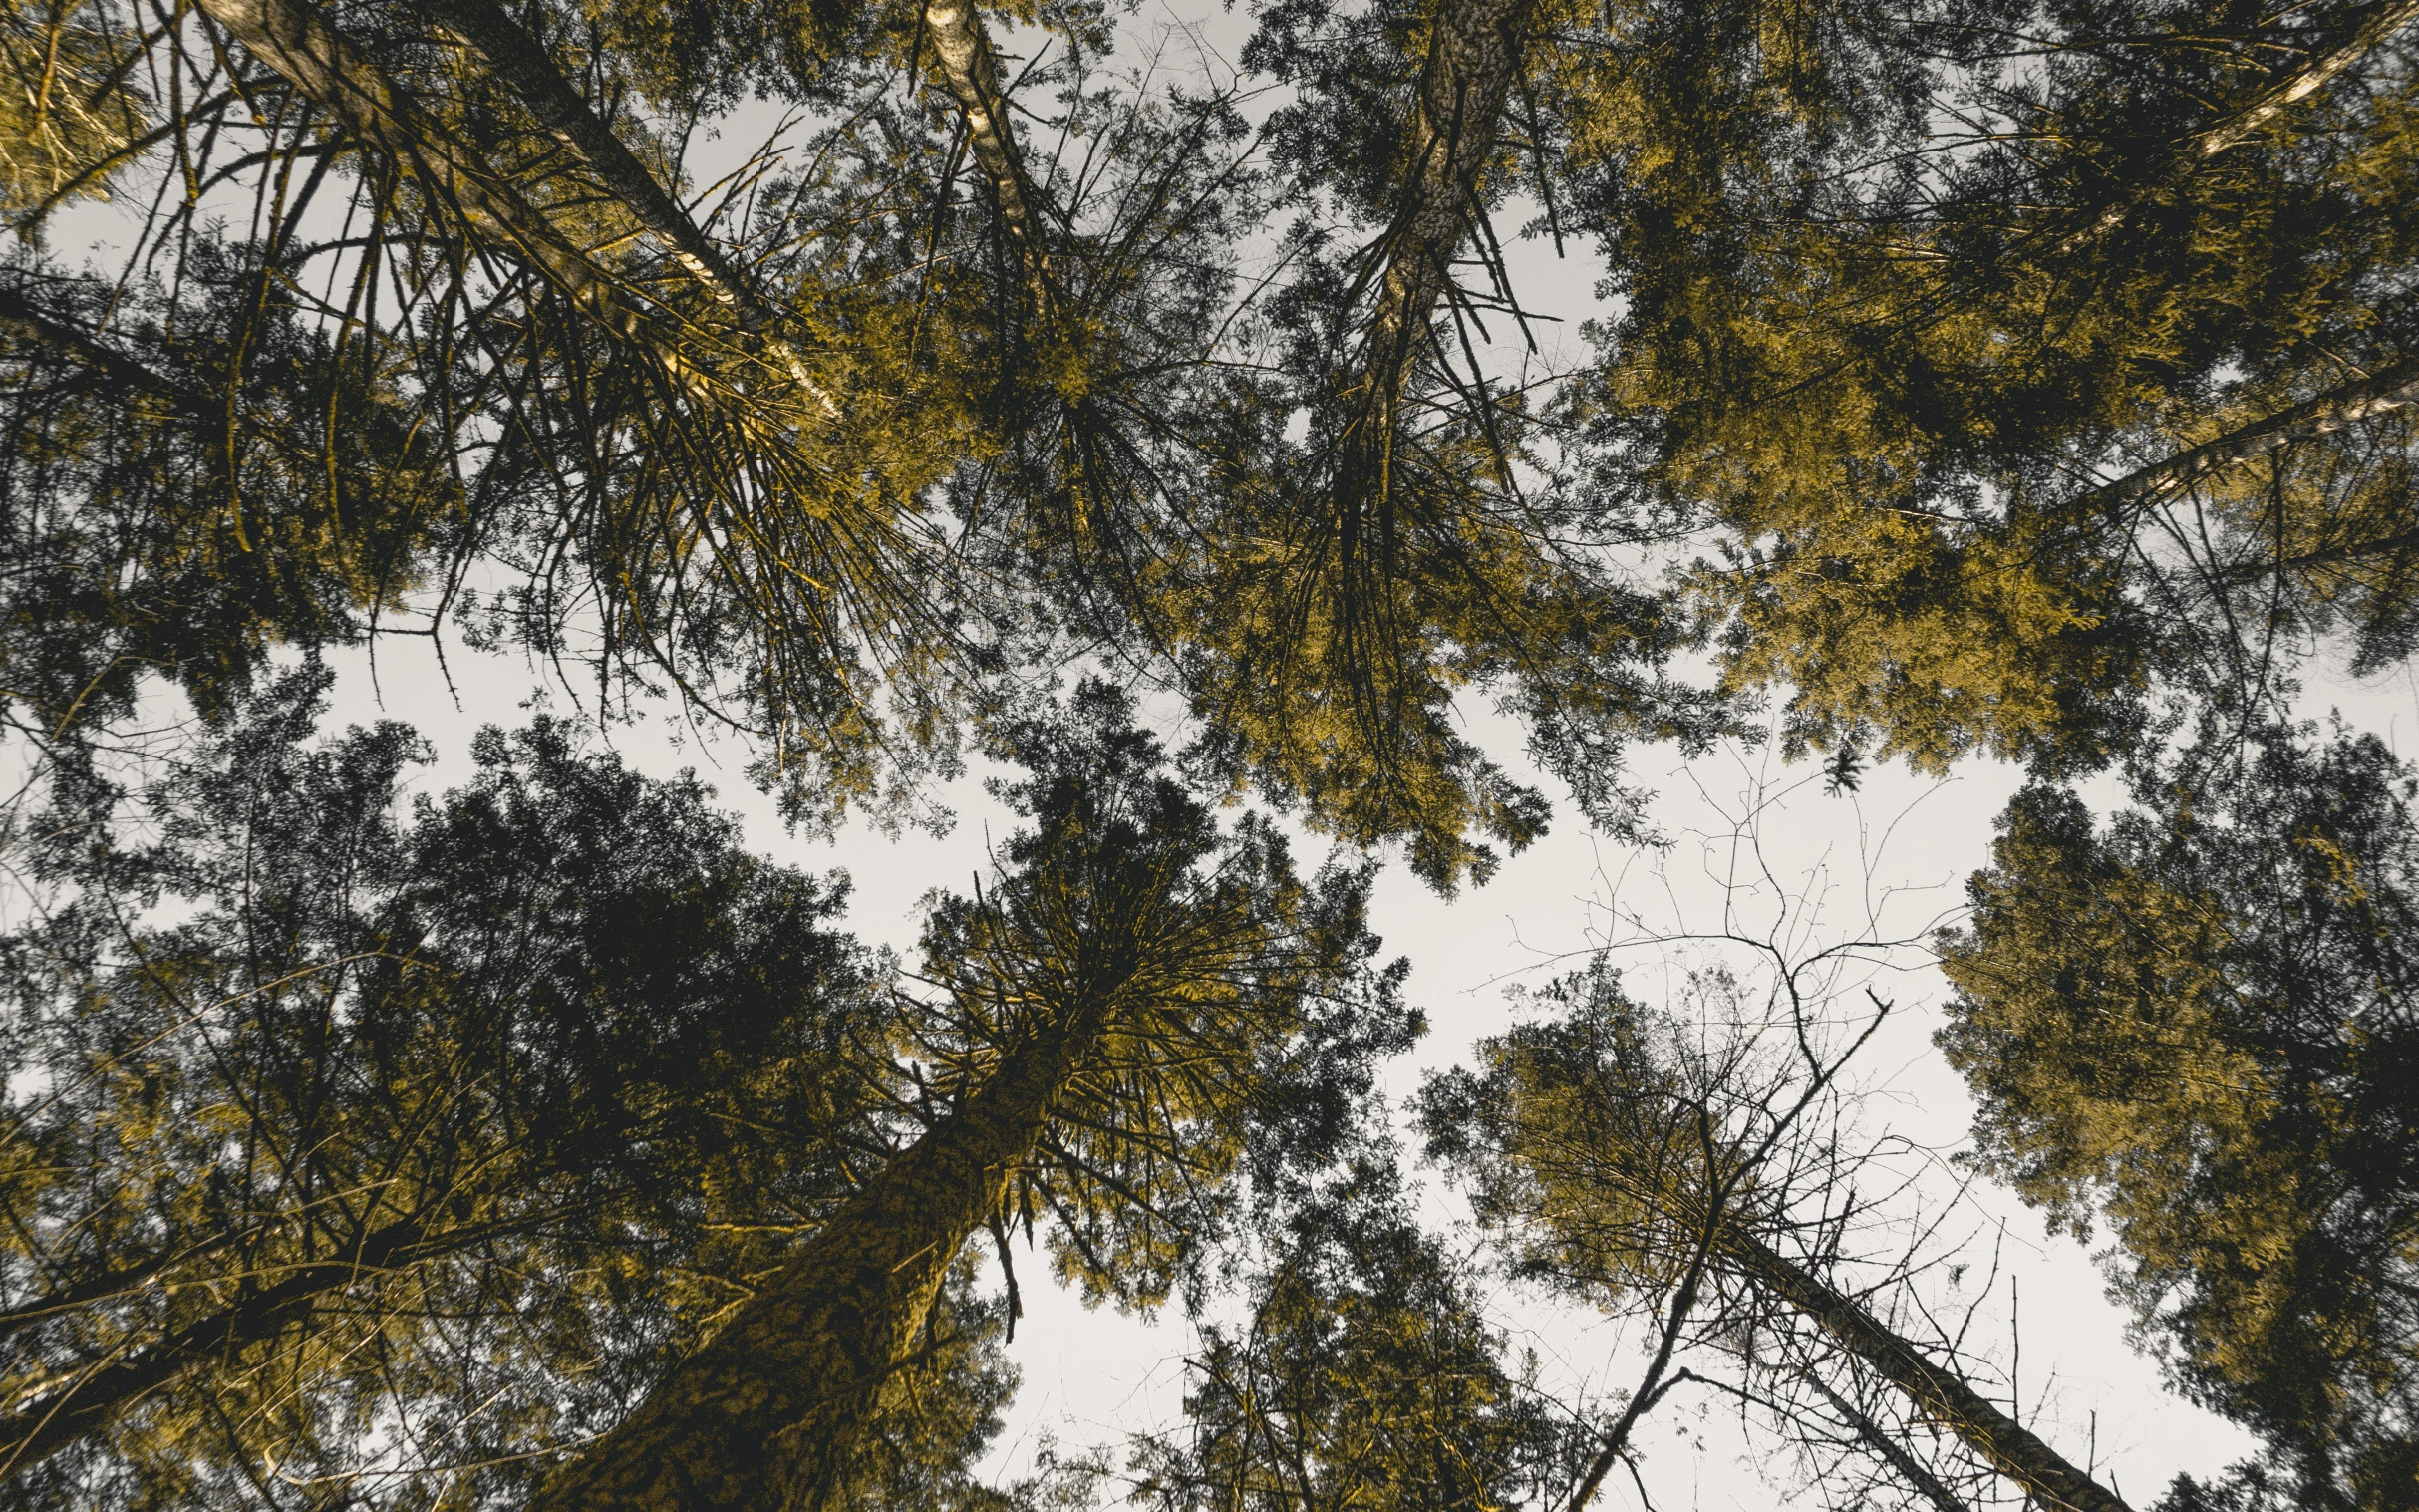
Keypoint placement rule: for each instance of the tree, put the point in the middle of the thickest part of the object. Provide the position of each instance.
(2195, 1024)
(1884, 335)
(1132, 996)
(1363, 1374)
(1623, 1152)
(361, 1151)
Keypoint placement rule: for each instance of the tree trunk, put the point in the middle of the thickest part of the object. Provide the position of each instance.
(2389, 390)
(290, 37)
(1939, 1394)
(40, 1429)
(2370, 25)
(522, 63)
(1883, 1443)
(1474, 59)
(22, 318)
(766, 1416)
(972, 75)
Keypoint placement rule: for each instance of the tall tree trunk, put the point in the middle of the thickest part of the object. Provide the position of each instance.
(1939, 1394)
(963, 55)
(43, 1427)
(521, 62)
(2378, 394)
(767, 1416)
(1474, 60)
(2358, 30)
(291, 37)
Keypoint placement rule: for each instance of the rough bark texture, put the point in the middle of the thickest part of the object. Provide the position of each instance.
(1474, 62)
(2390, 389)
(1942, 1396)
(86, 1404)
(766, 1416)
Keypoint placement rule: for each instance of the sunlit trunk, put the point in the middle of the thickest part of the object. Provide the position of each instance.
(2349, 403)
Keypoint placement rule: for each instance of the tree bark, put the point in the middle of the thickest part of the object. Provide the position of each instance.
(40, 1429)
(1939, 1394)
(2371, 25)
(1474, 59)
(522, 63)
(972, 76)
(291, 38)
(1913, 1470)
(2378, 394)
(765, 1417)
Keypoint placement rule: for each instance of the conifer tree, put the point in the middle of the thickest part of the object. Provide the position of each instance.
(357, 1150)
(1122, 1015)
(2194, 1026)
(1622, 1155)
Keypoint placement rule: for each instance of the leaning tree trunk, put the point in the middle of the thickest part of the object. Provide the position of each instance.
(1941, 1395)
(2354, 32)
(292, 38)
(2382, 392)
(520, 61)
(2358, 29)
(766, 1416)
(963, 58)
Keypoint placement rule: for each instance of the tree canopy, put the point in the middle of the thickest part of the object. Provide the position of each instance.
(894, 389)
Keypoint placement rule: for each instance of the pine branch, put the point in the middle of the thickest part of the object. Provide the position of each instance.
(521, 62)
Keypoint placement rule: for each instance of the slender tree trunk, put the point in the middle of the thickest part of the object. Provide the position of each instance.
(1474, 60)
(291, 37)
(964, 58)
(43, 1427)
(2369, 25)
(767, 1416)
(22, 318)
(521, 62)
(2358, 28)
(1883, 1443)
(2378, 394)
(1939, 1394)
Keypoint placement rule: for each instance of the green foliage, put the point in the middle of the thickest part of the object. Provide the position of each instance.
(1895, 294)
(1250, 1013)
(2195, 1024)
(332, 1120)
(1366, 1375)
(1602, 1148)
